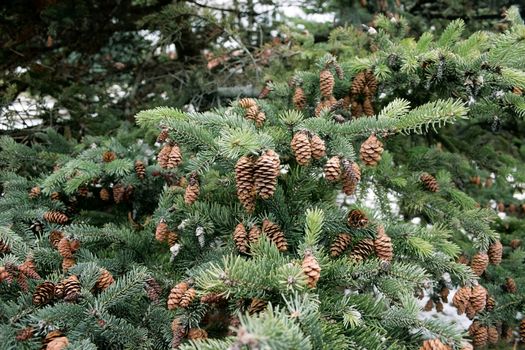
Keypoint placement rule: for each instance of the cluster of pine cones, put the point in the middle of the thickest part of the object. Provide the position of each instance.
(306, 146)
(253, 111)
(243, 238)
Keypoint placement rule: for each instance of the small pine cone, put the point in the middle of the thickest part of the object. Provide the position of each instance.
(299, 98)
(68, 263)
(340, 244)
(429, 305)
(244, 179)
(311, 269)
(187, 298)
(351, 176)
(318, 147)
(71, 290)
(368, 107)
(164, 156)
(140, 169)
(59, 290)
(4, 247)
(178, 331)
(522, 330)
(104, 280)
(83, 191)
(357, 218)
(35, 192)
(466, 346)
(326, 83)
(56, 217)
(480, 337)
(463, 259)
(172, 238)
(434, 344)
(443, 293)
(266, 172)
(362, 249)
(176, 294)
(332, 169)
(240, 237)
(479, 263)
(358, 84)
(119, 193)
(429, 182)
(254, 234)
(64, 248)
(275, 234)
(50, 337)
(478, 298)
(461, 299)
(161, 231)
(493, 335)
(439, 306)
(259, 119)
(153, 289)
(515, 244)
(339, 71)
(357, 109)
(197, 333)
(44, 293)
(104, 194)
(383, 245)
(265, 91)
(192, 190)
(174, 158)
(247, 102)
(517, 91)
(301, 148)
(470, 312)
(491, 303)
(5, 275)
(325, 104)
(510, 285)
(109, 156)
(495, 253)
(212, 298)
(371, 150)
(252, 112)
(163, 135)
(25, 334)
(58, 343)
(55, 196)
(256, 306)
(371, 84)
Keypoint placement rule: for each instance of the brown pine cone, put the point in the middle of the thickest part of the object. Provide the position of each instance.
(56, 217)
(174, 158)
(383, 245)
(59, 289)
(252, 112)
(362, 249)
(187, 298)
(266, 172)
(510, 285)
(176, 294)
(332, 169)
(240, 237)
(275, 234)
(357, 218)
(192, 190)
(340, 244)
(172, 238)
(55, 196)
(318, 147)
(119, 193)
(163, 135)
(25, 334)
(429, 182)
(479, 263)
(358, 84)
(109, 156)
(68, 263)
(83, 191)
(265, 91)
(493, 335)
(495, 253)
(429, 305)
(259, 119)
(480, 337)
(179, 331)
(371, 151)
(64, 248)
(58, 343)
(299, 98)
(357, 109)
(301, 148)
(515, 244)
(478, 298)
(197, 333)
(105, 279)
(311, 269)
(164, 156)
(443, 293)
(212, 298)
(434, 344)
(35, 192)
(491, 303)
(439, 306)
(153, 289)
(522, 330)
(244, 179)
(4, 247)
(247, 102)
(463, 259)
(161, 231)
(368, 107)
(256, 306)
(351, 176)
(326, 83)
(462, 299)
(44, 293)
(254, 234)
(104, 194)
(50, 337)
(71, 288)
(5, 275)
(140, 169)
(325, 104)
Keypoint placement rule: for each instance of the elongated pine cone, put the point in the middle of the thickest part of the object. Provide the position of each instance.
(318, 147)
(443, 293)
(197, 333)
(480, 337)
(140, 169)
(332, 169)
(301, 148)
(105, 279)
(212, 298)
(244, 179)
(254, 234)
(259, 119)
(56, 217)
(299, 98)
(351, 176)
(4, 247)
(462, 299)
(257, 305)
(161, 231)
(163, 135)
(371, 151)
(35, 192)
(510, 285)
(104, 194)
(429, 305)
(311, 269)
(187, 298)
(252, 112)
(515, 243)
(479, 263)
(364, 84)
(493, 335)
(44, 293)
(174, 158)
(64, 248)
(357, 218)
(50, 337)
(495, 253)
(429, 182)
(325, 104)
(179, 331)
(491, 303)
(176, 294)
(192, 190)
(275, 234)
(164, 156)
(119, 193)
(326, 83)
(478, 298)
(434, 344)
(368, 107)
(340, 244)
(266, 172)
(25, 334)
(247, 102)
(172, 238)
(153, 289)
(383, 245)
(58, 343)
(240, 237)
(71, 288)
(68, 263)
(362, 249)
(522, 330)
(265, 91)
(109, 156)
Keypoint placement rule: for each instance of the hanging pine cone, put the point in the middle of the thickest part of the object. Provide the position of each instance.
(35, 192)
(351, 176)
(357, 218)
(332, 169)
(301, 148)
(461, 299)
(439, 306)
(364, 84)
(495, 253)
(434, 344)
(326, 104)
(491, 303)
(510, 285)
(340, 244)
(256, 306)
(318, 147)
(64, 248)
(247, 102)
(59, 290)
(362, 249)
(163, 135)
(254, 234)
(119, 193)
(192, 190)
(428, 306)
(25, 334)
(174, 158)
(429, 182)
(153, 289)
(172, 238)
(371, 150)
(368, 107)
(4, 247)
(105, 279)
(479, 263)
(259, 119)
(197, 333)
(244, 179)
(478, 298)
(178, 331)
(5, 275)
(104, 194)
(68, 263)
(326, 83)
(493, 335)
(522, 330)
(55, 196)
(463, 259)
(383, 245)
(44, 293)
(311, 269)
(56, 217)
(299, 98)
(71, 291)
(275, 234)
(240, 237)
(164, 156)
(140, 169)
(265, 91)
(443, 293)
(109, 156)
(176, 294)
(187, 298)
(161, 231)
(357, 109)
(266, 172)
(480, 337)
(213, 298)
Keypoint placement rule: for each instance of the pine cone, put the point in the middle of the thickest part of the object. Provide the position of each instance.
(339, 71)
(71, 291)
(164, 156)
(326, 83)
(252, 112)
(104, 194)
(240, 237)
(439, 306)
(461, 299)
(311, 269)
(256, 306)
(44, 293)
(161, 231)
(368, 107)
(340, 244)
(491, 303)
(434, 344)
(176, 294)
(357, 218)
(68, 263)
(275, 234)
(443, 293)
(429, 182)
(25, 334)
(140, 169)
(301, 148)
(463, 259)
(56, 217)
(59, 289)
(332, 169)
(265, 91)
(58, 343)
(515, 244)
(4, 247)
(163, 135)
(351, 177)
(479, 263)
(522, 330)
(64, 248)
(318, 147)
(50, 337)
(104, 280)
(109, 156)
(192, 190)
(247, 102)
(429, 305)
(83, 191)
(254, 234)
(197, 333)
(383, 245)
(259, 119)
(495, 253)
(172, 238)
(174, 158)
(362, 249)
(266, 172)
(510, 285)
(153, 289)
(493, 335)
(5, 275)
(480, 337)
(470, 312)
(478, 298)
(178, 331)
(244, 178)
(371, 150)
(119, 193)
(55, 196)
(325, 104)
(299, 99)
(187, 298)
(357, 109)
(35, 192)
(212, 298)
